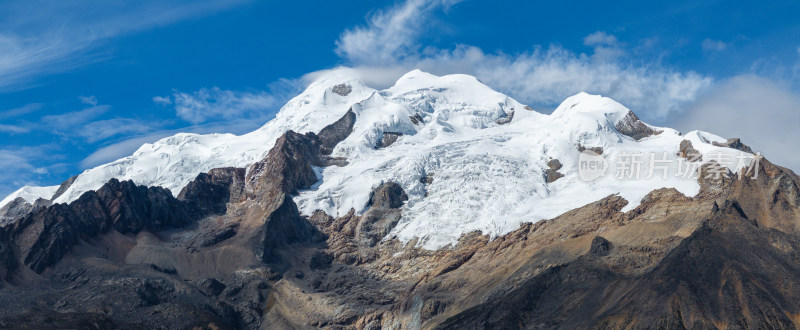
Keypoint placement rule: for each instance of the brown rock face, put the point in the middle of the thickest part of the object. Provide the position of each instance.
(635, 128)
(334, 133)
(734, 143)
(597, 150)
(388, 139)
(383, 214)
(689, 152)
(211, 192)
(551, 174)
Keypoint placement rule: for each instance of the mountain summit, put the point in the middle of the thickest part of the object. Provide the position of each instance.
(469, 157)
(434, 203)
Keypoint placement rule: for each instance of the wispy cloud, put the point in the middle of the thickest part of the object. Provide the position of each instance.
(23, 110)
(209, 104)
(90, 100)
(18, 169)
(389, 34)
(41, 37)
(103, 129)
(713, 45)
(543, 76)
(13, 129)
(72, 120)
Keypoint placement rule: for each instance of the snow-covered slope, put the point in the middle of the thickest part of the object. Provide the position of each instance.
(30, 194)
(486, 153)
(175, 161)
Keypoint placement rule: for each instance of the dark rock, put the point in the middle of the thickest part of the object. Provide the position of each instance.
(154, 292)
(165, 270)
(220, 236)
(334, 133)
(320, 260)
(132, 208)
(209, 193)
(596, 150)
(634, 128)
(416, 119)
(63, 187)
(45, 235)
(388, 139)
(211, 286)
(285, 226)
(426, 179)
(387, 196)
(600, 246)
(382, 215)
(506, 118)
(551, 174)
(285, 169)
(554, 164)
(342, 89)
(686, 150)
(734, 143)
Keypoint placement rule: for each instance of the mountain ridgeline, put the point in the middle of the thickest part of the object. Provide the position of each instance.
(436, 204)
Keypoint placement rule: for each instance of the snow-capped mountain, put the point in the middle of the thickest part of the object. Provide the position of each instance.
(469, 157)
(30, 194)
(413, 207)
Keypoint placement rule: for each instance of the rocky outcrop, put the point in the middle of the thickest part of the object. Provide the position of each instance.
(46, 235)
(382, 215)
(686, 150)
(734, 143)
(551, 174)
(634, 128)
(416, 119)
(334, 133)
(211, 192)
(285, 169)
(388, 139)
(63, 187)
(596, 150)
(506, 118)
(342, 89)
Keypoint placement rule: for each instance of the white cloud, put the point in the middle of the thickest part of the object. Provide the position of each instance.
(600, 38)
(17, 168)
(74, 120)
(763, 113)
(23, 110)
(542, 77)
(713, 45)
(214, 103)
(163, 100)
(104, 129)
(389, 34)
(90, 100)
(13, 129)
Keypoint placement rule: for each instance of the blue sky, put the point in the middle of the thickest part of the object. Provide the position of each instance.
(85, 82)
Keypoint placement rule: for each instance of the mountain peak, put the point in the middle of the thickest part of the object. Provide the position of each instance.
(450, 142)
(586, 103)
